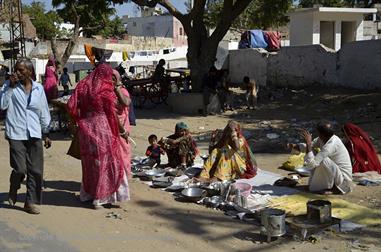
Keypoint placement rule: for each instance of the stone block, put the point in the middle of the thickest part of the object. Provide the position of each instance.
(186, 103)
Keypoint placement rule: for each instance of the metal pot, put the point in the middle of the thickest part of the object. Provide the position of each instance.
(212, 190)
(213, 202)
(319, 210)
(273, 220)
(193, 194)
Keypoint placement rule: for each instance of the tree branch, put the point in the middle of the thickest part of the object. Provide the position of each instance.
(172, 9)
(229, 13)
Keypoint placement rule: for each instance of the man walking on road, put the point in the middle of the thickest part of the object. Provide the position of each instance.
(27, 121)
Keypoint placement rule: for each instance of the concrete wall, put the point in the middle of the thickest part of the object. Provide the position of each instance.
(159, 26)
(356, 65)
(301, 27)
(296, 66)
(359, 64)
(247, 62)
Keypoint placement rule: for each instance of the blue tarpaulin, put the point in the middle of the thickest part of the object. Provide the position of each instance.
(257, 40)
(253, 39)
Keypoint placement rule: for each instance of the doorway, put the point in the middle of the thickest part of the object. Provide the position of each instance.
(348, 32)
(327, 33)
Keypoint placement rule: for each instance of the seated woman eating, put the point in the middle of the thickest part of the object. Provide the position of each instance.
(180, 147)
(230, 156)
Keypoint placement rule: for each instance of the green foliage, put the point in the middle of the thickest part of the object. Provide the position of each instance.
(260, 14)
(113, 28)
(42, 20)
(92, 14)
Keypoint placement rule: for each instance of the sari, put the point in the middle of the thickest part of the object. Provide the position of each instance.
(93, 107)
(51, 80)
(225, 163)
(363, 154)
(122, 112)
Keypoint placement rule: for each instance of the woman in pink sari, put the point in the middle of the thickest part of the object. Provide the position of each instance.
(93, 106)
(51, 79)
(124, 123)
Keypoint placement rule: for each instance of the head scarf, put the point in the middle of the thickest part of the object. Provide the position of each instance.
(360, 147)
(181, 126)
(117, 76)
(89, 53)
(251, 163)
(51, 61)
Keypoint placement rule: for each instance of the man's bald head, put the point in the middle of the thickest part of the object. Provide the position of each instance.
(325, 130)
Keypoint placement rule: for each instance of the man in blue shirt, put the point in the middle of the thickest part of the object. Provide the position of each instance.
(27, 121)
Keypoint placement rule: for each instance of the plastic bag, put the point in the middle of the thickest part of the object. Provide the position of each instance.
(74, 149)
(214, 105)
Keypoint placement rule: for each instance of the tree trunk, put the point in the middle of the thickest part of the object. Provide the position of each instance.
(53, 45)
(201, 56)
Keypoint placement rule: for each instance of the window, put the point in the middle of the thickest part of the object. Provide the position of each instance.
(134, 24)
(181, 31)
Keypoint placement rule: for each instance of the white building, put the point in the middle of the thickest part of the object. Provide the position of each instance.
(157, 26)
(329, 26)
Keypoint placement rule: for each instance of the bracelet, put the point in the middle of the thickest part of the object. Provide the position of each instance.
(122, 133)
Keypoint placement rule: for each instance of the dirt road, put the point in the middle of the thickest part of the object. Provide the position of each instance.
(153, 220)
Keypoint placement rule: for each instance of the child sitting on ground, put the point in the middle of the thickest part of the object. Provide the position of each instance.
(154, 151)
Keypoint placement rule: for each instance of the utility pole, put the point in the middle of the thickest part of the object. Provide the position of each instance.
(12, 11)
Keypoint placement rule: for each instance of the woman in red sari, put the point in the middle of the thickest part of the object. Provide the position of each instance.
(93, 106)
(363, 154)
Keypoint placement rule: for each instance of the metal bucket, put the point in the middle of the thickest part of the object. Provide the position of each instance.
(273, 220)
(319, 210)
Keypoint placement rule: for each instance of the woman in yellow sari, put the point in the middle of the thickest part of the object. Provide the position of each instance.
(230, 156)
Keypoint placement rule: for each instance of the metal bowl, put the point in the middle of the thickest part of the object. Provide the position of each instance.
(193, 172)
(175, 188)
(193, 193)
(213, 202)
(212, 189)
(173, 172)
(155, 173)
(304, 171)
(161, 184)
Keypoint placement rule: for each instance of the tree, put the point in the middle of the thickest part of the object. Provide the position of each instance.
(113, 28)
(88, 16)
(42, 20)
(202, 46)
(339, 3)
(260, 14)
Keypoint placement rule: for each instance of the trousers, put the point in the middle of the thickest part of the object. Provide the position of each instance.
(26, 158)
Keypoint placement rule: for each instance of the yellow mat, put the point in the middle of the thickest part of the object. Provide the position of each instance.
(296, 205)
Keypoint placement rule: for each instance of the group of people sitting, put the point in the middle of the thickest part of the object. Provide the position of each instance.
(330, 160)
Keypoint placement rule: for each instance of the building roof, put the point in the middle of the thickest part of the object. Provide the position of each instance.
(334, 9)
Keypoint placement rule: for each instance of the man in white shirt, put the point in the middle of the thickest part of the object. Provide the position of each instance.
(331, 167)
